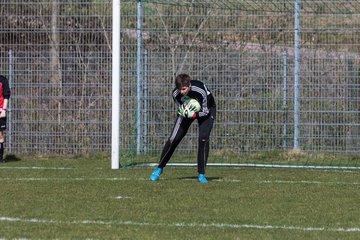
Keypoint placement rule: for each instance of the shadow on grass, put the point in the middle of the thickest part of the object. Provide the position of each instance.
(195, 178)
(12, 158)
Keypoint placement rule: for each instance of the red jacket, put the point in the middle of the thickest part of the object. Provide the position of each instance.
(4, 90)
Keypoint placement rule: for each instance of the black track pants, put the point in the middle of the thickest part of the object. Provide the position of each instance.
(180, 129)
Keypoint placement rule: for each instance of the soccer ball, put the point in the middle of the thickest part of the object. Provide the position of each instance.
(191, 106)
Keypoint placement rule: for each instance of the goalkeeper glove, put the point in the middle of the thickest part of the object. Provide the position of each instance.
(192, 108)
(184, 113)
(181, 111)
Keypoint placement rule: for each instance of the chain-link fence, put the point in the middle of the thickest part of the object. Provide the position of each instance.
(243, 50)
(60, 54)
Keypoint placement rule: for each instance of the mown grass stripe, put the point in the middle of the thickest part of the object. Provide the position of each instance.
(188, 225)
(38, 168)
(68, 179)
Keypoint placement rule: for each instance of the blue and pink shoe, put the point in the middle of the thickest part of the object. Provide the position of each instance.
(155, 175)
(202, 178)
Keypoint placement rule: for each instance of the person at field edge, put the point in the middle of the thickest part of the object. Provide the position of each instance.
(4, 102)
(195, 89)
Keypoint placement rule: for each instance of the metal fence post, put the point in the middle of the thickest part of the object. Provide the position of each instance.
(285, 108)
(139, 78)
(296, 76)
(11, 79)
(146, 100)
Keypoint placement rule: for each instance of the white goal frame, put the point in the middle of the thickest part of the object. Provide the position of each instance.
(115, 102)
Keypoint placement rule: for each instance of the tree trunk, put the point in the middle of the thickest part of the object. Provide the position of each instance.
(55, 66)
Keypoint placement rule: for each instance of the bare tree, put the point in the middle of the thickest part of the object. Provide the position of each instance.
(55, 65)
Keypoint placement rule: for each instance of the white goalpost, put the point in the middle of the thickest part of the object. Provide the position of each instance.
(115, 102)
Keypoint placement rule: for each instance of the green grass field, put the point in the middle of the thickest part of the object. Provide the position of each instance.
(82, 198)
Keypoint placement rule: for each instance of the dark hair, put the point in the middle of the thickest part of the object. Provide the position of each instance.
(182, 80)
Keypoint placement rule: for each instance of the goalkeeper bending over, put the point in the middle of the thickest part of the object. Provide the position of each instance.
(205, 117)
